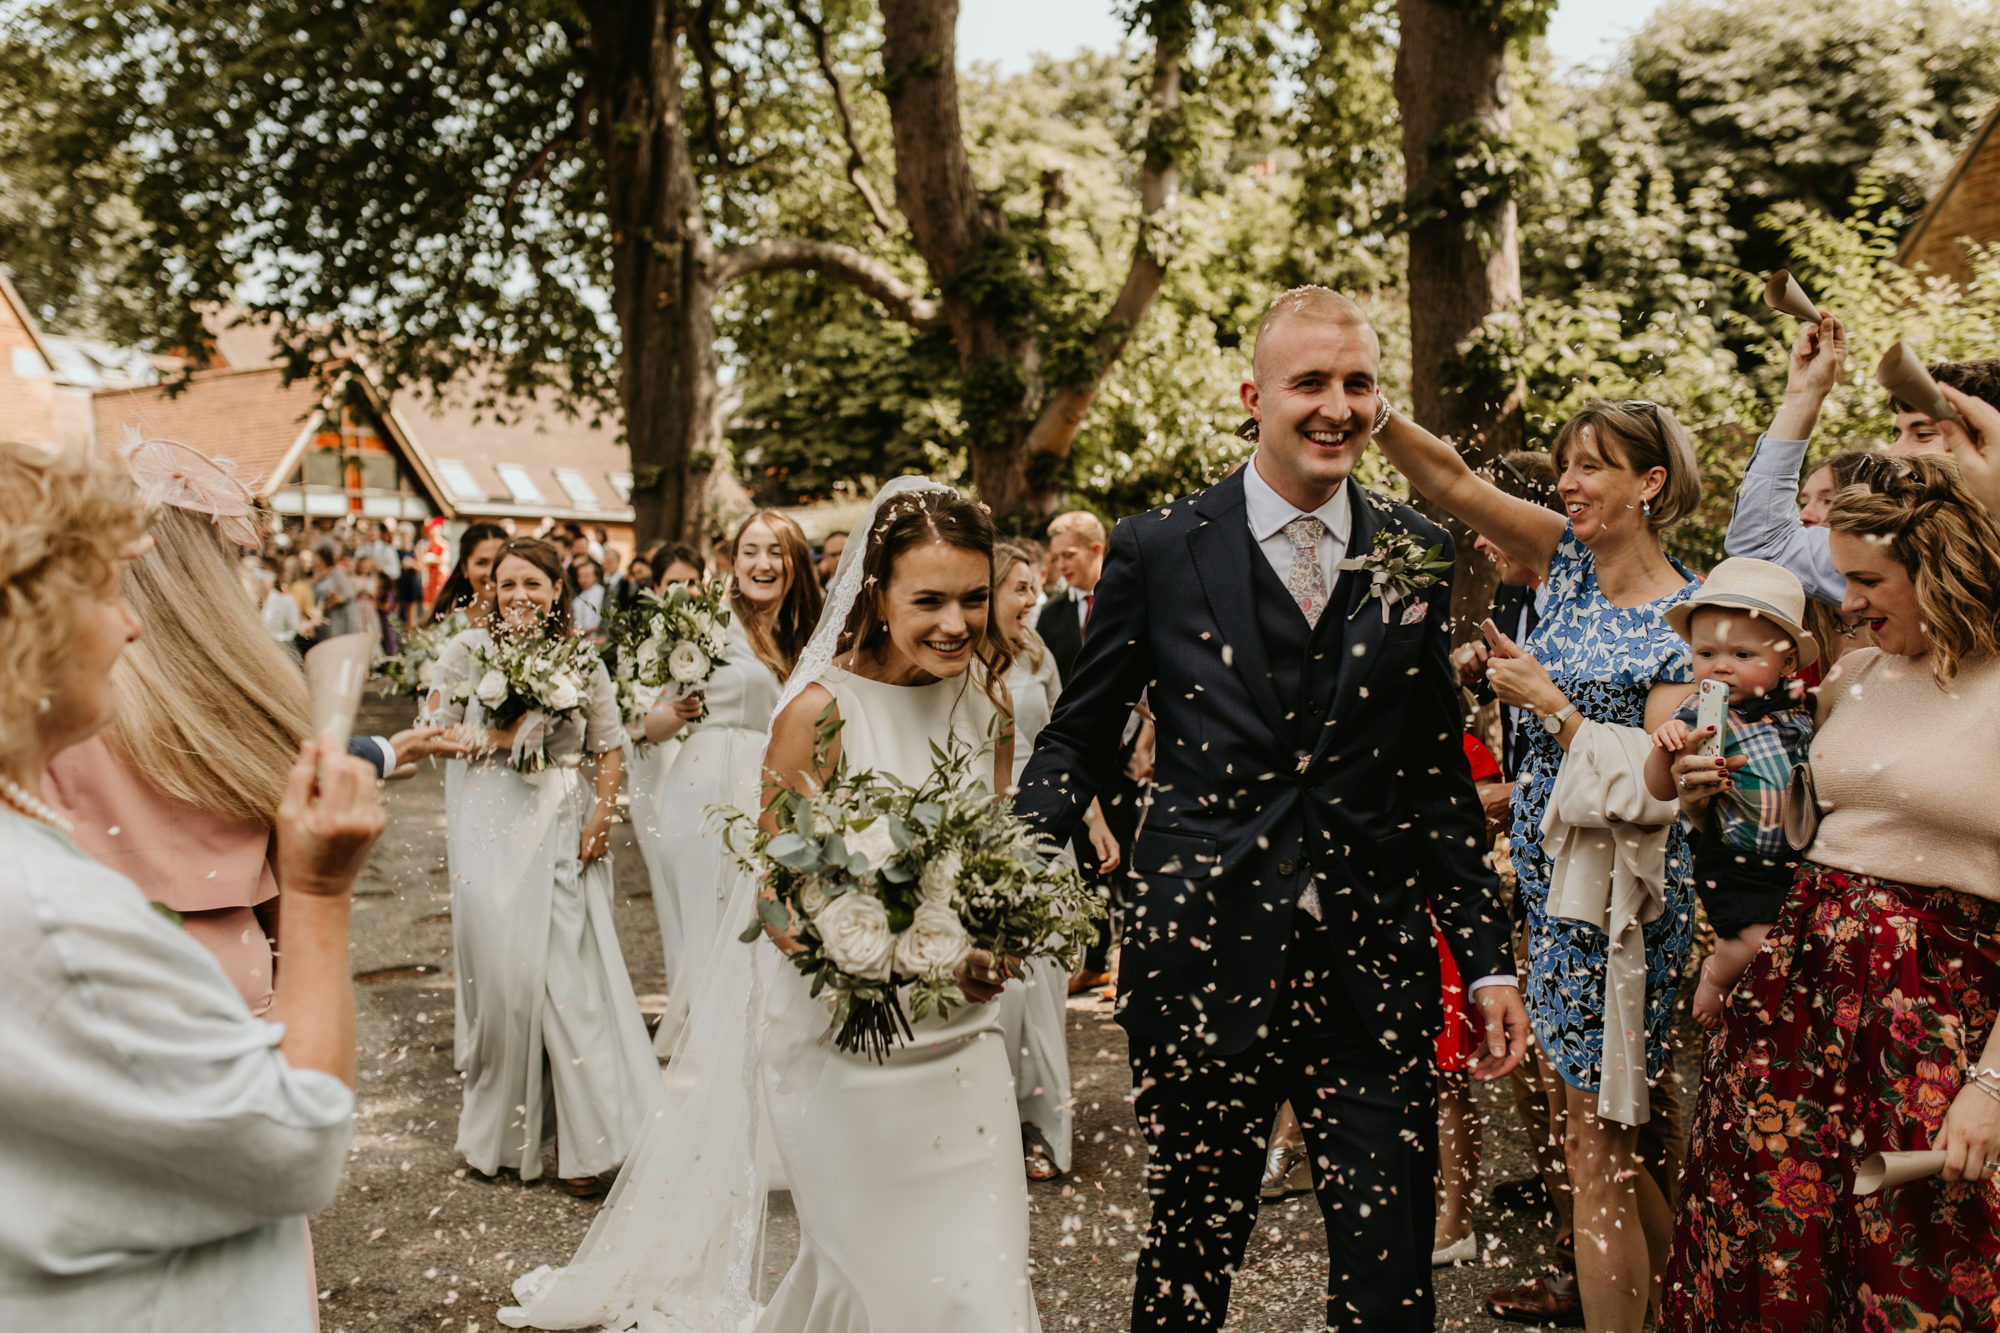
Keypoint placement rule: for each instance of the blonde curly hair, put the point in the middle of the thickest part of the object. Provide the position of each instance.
(66, 520)
(1929, 523)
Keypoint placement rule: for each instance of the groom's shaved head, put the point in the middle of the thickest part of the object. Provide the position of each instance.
(1319, 305)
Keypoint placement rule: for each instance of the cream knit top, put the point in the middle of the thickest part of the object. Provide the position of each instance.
(1909, 775)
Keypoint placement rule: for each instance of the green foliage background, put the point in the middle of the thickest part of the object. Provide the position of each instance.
(1727, 140)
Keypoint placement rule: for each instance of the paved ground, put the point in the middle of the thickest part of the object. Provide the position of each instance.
(413, 1243)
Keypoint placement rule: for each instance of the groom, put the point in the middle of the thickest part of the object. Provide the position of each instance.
(1313, 810)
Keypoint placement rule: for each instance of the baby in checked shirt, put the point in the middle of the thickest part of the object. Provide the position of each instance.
(1744, 628)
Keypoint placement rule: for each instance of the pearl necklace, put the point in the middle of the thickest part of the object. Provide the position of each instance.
(31, 805)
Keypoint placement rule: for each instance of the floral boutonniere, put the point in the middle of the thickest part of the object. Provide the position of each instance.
(1399, 567)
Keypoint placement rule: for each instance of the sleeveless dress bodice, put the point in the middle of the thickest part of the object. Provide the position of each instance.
(742, 691)
(889, 728)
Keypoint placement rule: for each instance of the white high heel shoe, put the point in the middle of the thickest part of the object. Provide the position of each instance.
(1464, 1250)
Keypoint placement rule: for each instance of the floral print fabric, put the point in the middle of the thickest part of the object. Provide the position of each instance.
(1848, 1036)
(1605, 659)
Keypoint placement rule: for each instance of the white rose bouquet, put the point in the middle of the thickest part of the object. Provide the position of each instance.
(411, 670)
(885, 885)
(670, 641)
(514, 674)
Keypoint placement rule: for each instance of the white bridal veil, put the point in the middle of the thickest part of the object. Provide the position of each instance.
(678, 1244)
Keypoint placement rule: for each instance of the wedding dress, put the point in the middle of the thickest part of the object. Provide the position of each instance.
(907, 1175)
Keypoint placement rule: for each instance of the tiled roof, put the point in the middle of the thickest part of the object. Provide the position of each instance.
(250, 416)
(537, 439)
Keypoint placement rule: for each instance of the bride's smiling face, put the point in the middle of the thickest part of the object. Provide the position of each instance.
(936, 607)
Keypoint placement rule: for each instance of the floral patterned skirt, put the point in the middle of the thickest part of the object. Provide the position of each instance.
(1849, 1035)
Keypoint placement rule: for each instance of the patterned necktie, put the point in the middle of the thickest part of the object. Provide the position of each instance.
(1307, 582)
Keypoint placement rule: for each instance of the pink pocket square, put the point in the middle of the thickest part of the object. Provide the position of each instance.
(1414, 612)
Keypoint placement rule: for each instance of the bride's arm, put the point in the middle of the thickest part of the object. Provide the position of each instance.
(1527, 532)
(1003, 749)
(789, 766)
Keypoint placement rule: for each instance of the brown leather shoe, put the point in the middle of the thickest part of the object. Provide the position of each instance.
(1084, 981)
(1551, 1298)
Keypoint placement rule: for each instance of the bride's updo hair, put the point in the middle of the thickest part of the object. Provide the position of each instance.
(914, 519)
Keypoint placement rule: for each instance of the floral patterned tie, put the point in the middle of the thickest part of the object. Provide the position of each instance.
(1307, 583)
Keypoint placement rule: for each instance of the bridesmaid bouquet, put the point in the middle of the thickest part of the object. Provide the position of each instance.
(672, 640)
(885, 885)
(516, 674)
(411, 670)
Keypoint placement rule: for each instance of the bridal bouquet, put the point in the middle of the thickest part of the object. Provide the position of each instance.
(515, 673)
(411, 670)
(886, 884)
(672, 640)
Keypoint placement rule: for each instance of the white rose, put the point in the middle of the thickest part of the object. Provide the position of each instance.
(855, 929)
(939, 882)
(563, 694)
(874, 843)
(687, 663)
(492, 689)
(704, 625)
(812, 898)
(426, 673)
(935, 941)
(645, 696)
(649, 651)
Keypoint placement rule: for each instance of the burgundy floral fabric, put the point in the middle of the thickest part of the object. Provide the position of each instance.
(1849, 1035)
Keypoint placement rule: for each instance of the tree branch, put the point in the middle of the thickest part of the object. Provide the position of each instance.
(844, 262)
(565, 135)
(856, 159)
(1062, 413)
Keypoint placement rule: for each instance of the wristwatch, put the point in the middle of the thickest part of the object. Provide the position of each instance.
(1553, 723)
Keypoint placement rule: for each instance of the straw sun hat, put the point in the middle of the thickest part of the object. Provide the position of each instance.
(1770, 592)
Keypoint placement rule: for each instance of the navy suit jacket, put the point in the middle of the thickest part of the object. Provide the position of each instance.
(1383, 807)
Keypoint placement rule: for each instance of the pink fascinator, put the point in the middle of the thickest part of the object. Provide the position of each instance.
(189, 479)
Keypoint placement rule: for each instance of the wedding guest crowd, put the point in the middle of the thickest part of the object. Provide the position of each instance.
(1831, 845)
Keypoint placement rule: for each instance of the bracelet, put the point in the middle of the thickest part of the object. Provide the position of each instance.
(1994, 1093)
(1381, 415)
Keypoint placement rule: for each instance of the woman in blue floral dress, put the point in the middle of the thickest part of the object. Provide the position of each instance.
(1603, 652)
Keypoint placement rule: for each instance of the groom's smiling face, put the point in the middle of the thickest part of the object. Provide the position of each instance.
(1314, 393)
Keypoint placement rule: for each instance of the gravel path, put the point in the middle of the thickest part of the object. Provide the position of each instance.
(412, 1243)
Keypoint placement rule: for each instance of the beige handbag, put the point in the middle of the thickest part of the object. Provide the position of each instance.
(1801, 809)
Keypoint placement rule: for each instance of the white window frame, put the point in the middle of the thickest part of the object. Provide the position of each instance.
(577, 487)
(455, 472)
(519, 484)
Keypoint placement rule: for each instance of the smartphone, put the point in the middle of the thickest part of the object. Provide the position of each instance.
(1712, 710)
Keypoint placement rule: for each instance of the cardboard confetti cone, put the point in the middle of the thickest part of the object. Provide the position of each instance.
(1783, 293)
(1903, 375)
(336, 671)
(1886, 1170)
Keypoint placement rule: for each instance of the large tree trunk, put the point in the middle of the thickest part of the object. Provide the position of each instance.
(662, 291)
(1451, 73)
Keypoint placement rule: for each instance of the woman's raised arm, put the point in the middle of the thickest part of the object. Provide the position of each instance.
(1527, 532)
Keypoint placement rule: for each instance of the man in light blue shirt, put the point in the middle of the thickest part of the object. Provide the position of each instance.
(1766, 523)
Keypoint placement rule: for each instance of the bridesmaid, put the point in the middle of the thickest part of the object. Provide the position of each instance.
(774, 602)
(470, 584)
(549, 1030)
(1033, 1009)
(647, 765)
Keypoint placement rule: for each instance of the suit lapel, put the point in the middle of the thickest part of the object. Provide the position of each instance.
(1222, 550)
(1362, 629)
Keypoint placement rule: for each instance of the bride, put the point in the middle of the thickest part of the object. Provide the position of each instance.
(913, 1210)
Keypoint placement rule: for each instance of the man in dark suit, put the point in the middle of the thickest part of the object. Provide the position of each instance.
(1312, 809)
(1076, 548)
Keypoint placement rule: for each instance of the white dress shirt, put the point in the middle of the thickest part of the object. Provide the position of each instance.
(1269, 512)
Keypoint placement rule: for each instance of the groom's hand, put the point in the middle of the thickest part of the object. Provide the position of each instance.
(1506, 1038)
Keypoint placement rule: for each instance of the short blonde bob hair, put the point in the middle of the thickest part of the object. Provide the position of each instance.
(1919, 509)
(1639, 436)
(66, 519)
